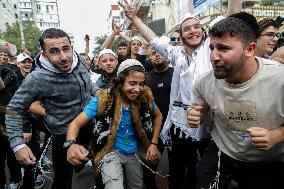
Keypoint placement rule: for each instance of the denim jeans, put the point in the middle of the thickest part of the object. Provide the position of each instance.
(116, 165)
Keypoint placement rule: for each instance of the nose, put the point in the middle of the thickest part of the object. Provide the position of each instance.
(214, 56)
(63, 56)
(137, 88)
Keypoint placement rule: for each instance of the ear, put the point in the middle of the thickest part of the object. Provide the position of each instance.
(250, 49)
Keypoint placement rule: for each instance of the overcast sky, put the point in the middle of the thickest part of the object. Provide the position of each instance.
(81, 17)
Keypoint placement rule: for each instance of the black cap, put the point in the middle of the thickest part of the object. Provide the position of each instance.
(249, 19)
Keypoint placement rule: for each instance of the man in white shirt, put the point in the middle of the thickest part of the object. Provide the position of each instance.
(189, 61)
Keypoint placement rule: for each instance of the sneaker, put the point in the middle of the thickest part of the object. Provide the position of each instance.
(15, 185)
(39, 182)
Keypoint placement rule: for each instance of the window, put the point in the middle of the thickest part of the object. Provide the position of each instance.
(38, 7)
(15, 6)
(16, 16)
(26, 15)
(47, 8)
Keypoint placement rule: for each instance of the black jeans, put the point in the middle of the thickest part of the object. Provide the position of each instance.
(248, 175)
(13, 165)
(63, 171)
(182, 162)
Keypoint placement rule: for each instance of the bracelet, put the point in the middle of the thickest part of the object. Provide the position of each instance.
(154, 143)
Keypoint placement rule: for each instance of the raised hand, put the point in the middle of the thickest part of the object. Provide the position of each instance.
(130, 10)
(116, 27)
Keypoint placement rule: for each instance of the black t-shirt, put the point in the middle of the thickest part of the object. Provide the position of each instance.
(160, 84)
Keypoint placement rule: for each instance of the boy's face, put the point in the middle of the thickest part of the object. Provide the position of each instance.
(133, 85)
(25, 66)
(108, 63)
(122, 50)
(4, 57)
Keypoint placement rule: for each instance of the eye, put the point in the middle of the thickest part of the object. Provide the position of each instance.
(53, 51)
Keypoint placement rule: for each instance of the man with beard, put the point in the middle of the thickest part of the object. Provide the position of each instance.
(190, 61)
(62, 84)
(159, 80)
(248, 123)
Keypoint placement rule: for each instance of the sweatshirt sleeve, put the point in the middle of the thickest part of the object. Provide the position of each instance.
(18, 107)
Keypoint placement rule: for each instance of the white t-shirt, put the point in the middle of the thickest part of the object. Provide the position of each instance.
(258, 102)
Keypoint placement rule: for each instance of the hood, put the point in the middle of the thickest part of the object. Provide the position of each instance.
(42, 62)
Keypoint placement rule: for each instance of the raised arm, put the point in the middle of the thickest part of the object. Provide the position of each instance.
(116, 29)
(87, 47)
(130, 13)
(123, 36)
(234, 6)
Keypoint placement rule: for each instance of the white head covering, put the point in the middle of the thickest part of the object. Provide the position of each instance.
(188, 16)
(128, 63)
(136, 38)
(107, 51)
(22, 56)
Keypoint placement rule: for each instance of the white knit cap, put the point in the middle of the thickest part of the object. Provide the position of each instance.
(136, 38)
(107, 51)
(128, 63)
(188, 16)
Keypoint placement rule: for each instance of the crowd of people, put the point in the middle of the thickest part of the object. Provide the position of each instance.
(204, 96)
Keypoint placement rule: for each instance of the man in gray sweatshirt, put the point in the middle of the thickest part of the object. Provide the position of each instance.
(61, 82)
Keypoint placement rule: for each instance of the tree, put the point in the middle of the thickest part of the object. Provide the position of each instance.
(101, 39)
(31, 33)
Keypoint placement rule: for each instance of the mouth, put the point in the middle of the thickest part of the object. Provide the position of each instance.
(133, 95)
(194, 37)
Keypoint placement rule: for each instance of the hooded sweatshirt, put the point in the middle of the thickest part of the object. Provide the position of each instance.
(63, 95)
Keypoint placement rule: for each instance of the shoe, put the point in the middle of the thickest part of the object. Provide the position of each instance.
(15, 185)
(39, 182)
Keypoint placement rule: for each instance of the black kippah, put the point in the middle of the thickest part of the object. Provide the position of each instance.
(249, 19)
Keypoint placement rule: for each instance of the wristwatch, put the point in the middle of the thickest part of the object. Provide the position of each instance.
(68, 143)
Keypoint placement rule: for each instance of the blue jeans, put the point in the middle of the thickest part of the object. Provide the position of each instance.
(116, 165)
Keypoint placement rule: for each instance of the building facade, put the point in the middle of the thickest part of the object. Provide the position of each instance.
(9, 13)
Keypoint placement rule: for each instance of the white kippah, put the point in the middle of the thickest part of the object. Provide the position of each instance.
(136, 38)
(107, 51)
(128, 63)
(188, 16)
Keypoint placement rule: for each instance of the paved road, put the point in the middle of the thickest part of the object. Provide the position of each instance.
(85, 179)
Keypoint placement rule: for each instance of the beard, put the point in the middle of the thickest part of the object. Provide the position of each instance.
(230, 71)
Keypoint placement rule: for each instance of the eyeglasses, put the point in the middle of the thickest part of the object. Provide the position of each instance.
(271, 35)
(194, 26)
